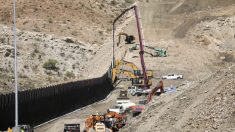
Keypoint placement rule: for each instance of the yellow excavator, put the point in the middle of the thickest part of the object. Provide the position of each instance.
(134, 75)
(129, 38)
(122, 74)
(127, 75)
(134, 68)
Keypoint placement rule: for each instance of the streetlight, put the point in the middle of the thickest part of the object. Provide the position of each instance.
(16, 128)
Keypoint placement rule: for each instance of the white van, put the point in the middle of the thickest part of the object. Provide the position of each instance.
(125, 104)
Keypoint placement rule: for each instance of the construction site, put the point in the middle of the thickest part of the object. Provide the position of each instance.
(117, 65)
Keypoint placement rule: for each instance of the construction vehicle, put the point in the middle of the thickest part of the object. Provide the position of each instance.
(127, 75)
(157, 53)
(134, 47)
(172, 76)
(129, 38)
(135, 75)
(138, 108)
(152, 51)
(120, 63)
(71, 127)
(117, 108)
(158, 89)
(139, 82)
(115, 121)
(92, 120)
(123, 95)
(111, 121)
(122, 103)
(134, 90)
(141, 41)
(123, 75)
(100, 127)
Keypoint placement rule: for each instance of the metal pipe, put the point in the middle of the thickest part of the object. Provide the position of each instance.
(141, 39)
(15, 65)
(113, 60)
(142, 43)
(114, 28)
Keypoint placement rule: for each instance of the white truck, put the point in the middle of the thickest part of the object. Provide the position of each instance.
(172, 77)
(134, 90)
(118, 109)
(121, 106)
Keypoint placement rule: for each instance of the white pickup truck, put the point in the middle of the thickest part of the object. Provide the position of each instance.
(121, 106)
(133, 90)
(172, 76)
(118, 109)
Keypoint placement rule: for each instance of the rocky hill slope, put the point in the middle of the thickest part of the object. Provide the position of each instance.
(199, 38)
(55, 39)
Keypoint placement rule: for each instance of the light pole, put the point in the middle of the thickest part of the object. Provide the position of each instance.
(16, 128)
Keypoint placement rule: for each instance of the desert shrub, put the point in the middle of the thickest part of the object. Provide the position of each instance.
(2, 40)
(70, 74)
(51, 65)
(50, 20)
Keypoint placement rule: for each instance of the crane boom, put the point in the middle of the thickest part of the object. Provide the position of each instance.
(141, 40)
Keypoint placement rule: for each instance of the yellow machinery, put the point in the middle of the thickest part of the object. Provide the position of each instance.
(134, 75)
(139, 82)
(111, 121)
(135, 69)
(116, 73)
(122, 74)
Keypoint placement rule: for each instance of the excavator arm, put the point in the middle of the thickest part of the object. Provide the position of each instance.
(154, 90)
(129, 38)
(136, 71)
(118, 63)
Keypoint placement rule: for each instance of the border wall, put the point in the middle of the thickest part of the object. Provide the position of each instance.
(40, 105)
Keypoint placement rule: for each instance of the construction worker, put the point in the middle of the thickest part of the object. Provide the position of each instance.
(9, 129)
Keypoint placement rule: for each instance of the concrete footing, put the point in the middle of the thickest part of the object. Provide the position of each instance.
(16, 129)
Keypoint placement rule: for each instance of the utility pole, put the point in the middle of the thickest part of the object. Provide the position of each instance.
(16, 128)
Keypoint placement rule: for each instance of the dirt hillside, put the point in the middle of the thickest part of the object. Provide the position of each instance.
(55, 39)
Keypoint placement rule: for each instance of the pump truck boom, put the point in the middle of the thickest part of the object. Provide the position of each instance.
(141, 41)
